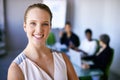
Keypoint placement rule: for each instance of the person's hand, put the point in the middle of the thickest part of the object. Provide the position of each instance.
(85, 66)
(71, 45)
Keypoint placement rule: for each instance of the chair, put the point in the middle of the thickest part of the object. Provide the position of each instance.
(51, 39)
(85, 78)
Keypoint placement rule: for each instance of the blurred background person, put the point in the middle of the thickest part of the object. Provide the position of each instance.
(68, 38)
(88, 45)
(103, 59)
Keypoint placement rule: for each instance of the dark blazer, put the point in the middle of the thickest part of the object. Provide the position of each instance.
(102, 60)
(73, 38)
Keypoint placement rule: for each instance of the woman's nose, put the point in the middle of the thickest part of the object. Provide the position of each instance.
(39, 29)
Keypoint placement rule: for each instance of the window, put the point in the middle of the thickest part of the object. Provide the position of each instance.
(58, 8)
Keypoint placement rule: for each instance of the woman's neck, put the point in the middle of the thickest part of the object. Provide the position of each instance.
(69, 34)
(104, 46)
(36, 52)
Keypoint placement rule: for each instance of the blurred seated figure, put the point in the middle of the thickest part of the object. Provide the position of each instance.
(88, 45)
(69, 38)
(103, 59)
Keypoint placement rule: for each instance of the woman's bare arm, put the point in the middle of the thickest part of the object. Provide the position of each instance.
(14, 72)
(70, 70)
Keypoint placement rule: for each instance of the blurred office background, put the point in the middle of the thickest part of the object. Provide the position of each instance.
(102, 16)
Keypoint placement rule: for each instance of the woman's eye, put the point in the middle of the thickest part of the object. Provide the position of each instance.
(33, 23)
(45, 24)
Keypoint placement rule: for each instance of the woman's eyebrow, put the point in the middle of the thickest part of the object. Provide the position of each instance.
(38, 21)
(46, 21)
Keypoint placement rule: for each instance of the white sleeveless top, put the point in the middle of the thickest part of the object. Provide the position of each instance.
(31, 71)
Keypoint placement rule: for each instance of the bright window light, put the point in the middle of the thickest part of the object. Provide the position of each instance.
(58, 8)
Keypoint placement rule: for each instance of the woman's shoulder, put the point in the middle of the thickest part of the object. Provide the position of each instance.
(60, 53)
(14, 72)
(20, 58)
(56, 52)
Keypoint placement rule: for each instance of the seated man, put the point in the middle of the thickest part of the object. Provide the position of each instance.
(88, 46)
(103, 58)
(68, 38)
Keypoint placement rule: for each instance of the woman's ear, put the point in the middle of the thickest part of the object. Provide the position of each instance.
(24, 26)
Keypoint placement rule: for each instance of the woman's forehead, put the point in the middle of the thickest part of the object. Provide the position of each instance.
(38, 14)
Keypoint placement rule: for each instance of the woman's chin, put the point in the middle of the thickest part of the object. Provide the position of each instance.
(39, 43)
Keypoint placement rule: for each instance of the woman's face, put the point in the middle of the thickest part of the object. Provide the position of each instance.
(67, 28)
(101, 43)
(37, 26)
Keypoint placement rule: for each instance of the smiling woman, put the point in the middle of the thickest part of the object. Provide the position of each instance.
(37, 62)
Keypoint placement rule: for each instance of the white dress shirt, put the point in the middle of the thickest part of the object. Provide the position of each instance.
(88, 46)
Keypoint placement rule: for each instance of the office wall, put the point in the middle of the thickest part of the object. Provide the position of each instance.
(102, 16)
(14, 13)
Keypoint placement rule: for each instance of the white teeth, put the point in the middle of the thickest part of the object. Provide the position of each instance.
(39, 36)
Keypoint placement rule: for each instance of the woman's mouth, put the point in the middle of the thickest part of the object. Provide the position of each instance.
(39, 36)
